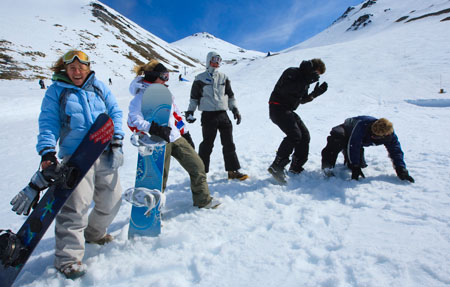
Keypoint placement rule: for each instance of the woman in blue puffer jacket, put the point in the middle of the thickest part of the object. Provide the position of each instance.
(69, 108)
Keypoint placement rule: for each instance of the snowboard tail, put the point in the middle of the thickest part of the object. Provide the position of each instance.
(15, 249)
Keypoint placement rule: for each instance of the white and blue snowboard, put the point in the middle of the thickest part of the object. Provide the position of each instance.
(156, 106)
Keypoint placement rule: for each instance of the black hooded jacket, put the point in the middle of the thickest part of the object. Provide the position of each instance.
(291, 90)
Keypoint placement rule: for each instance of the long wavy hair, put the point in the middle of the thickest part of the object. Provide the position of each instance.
(141, 69)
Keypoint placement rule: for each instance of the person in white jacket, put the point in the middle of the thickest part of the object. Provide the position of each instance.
(179, 143)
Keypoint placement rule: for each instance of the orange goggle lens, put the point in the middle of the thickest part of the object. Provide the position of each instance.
(216, 59)
(70, 56)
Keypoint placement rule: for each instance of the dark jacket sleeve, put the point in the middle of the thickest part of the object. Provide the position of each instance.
(228, 90)
(197, 89)
(290, 89)
(395, 151)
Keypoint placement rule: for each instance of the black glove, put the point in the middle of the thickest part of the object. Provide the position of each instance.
(237, 115)
(189, 116)
(403, 174)
(357, 172)
(319, 89)
(187, 136)
(313, 77)
(306, 99)
(51, 156)
(160, 131)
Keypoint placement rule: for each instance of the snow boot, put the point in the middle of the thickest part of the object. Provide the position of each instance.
(327, 169)
(276, 169)
(214, 203)
(102, 241)
(237, 175)
(74, 270)
(296, 166)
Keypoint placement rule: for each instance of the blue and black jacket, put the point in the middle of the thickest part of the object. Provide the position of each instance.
(358, 129)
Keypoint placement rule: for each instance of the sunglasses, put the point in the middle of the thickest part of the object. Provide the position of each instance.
(164, 76)
(216, 59)
(70, 56)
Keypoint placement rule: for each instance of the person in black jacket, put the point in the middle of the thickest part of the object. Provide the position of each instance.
(353, 135)
(290, 91)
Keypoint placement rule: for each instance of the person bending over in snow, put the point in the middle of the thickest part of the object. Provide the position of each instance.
(179, 142)
(353, 135)
(290, 91)
(211, 92)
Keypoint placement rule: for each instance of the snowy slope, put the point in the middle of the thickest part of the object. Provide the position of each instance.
(33, 35)
(200, 44)
(376, 232)
(375, 16)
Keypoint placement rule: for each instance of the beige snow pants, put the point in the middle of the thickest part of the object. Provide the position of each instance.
(73, 224)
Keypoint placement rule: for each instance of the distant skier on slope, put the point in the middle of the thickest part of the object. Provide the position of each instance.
(42, 84)
(290, 91)
(353, 135)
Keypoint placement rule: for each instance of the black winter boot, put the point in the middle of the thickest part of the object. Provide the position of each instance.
(296, 166)
(276, 169)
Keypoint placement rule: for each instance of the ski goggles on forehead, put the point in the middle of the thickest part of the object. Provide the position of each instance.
(216, 59)
(164, 76)
(70, 56)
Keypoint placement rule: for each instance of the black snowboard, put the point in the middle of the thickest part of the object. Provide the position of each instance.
(19, 246)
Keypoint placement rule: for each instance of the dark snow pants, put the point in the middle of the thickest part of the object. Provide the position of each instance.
(337, 141)
(211, 123)
(297, 135)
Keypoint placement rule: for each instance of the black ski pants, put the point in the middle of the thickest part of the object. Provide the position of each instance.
(337, 141)
(211, 123)
(297, 135)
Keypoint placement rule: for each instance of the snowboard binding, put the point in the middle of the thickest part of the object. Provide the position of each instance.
(12, 251)
(144, 197)
(62, 175)
(145, 143)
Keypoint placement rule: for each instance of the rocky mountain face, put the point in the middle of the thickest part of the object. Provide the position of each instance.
(38, 36)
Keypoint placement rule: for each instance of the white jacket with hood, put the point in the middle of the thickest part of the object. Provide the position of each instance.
(211, 90)
(136, 119)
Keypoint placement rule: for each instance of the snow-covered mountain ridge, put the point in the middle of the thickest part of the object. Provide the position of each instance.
(199, 44)
(37, 35)
(374, 16)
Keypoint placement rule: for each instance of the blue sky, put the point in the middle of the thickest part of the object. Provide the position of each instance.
(263, 25)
